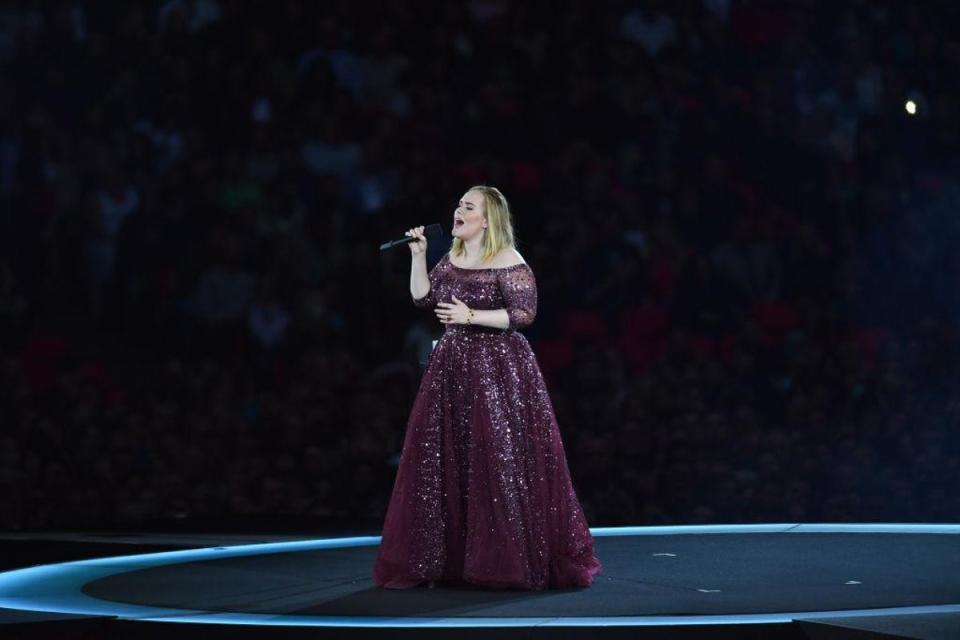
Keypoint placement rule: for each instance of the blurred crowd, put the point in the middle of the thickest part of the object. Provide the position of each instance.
(741, 216)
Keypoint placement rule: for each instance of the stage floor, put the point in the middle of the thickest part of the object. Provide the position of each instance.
(653, 576)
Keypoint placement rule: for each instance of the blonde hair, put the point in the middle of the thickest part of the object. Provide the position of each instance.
(499, 234)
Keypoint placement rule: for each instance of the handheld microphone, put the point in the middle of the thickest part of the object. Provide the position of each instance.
(430, 231)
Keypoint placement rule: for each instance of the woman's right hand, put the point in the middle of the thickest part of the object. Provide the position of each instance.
(420, 244)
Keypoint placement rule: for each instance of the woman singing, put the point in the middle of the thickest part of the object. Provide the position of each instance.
(483, 494)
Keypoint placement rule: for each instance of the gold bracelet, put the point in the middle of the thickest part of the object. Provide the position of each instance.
(469, 315)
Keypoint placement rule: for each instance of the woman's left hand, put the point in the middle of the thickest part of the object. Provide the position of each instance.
(455, 312)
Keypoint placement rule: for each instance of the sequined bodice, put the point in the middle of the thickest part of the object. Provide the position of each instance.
(512, 288)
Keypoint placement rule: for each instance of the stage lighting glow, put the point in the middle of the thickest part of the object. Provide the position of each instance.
(911, 107)
(58, 588)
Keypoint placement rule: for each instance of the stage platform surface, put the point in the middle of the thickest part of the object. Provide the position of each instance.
(763, 581)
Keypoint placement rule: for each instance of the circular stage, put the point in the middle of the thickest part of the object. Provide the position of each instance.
(653, 577)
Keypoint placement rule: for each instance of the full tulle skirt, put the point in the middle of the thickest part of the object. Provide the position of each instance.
(483, 494)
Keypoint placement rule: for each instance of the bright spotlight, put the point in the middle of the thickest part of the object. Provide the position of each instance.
(915, 104)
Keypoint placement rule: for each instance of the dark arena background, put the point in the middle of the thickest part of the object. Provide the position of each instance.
(743, 217)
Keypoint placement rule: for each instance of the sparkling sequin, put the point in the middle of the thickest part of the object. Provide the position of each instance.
(483, 493)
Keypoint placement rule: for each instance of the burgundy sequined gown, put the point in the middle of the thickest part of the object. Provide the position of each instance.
(483, 494)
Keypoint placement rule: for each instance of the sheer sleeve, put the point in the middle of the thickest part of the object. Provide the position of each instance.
(519, 289)
(430, 300)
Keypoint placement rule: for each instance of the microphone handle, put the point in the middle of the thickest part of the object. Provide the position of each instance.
(432, 230)
(394, 243)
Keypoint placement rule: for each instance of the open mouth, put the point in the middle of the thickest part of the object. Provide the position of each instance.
(457, 223)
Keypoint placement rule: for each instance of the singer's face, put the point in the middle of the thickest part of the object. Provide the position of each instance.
(470, 210)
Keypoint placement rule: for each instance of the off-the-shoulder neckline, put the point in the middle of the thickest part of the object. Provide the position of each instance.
(512, 266)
